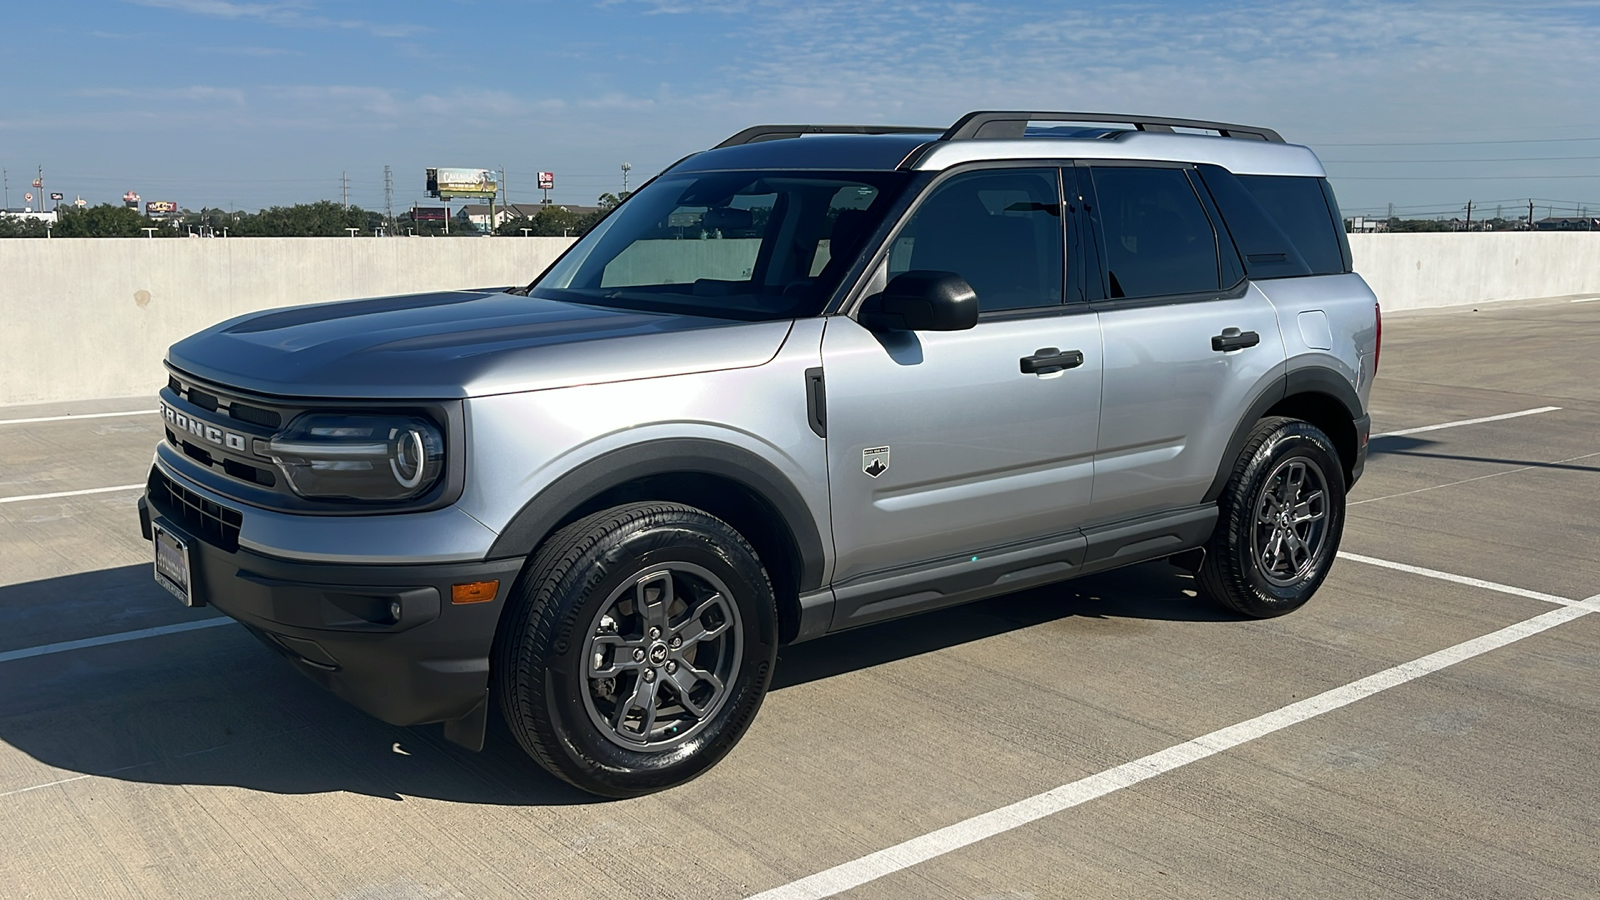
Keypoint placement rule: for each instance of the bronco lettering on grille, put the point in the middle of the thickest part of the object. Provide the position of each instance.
(203, 430)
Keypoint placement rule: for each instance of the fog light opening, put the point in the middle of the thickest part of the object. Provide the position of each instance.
(395, 610)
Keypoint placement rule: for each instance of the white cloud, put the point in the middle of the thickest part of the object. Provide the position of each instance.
(287, 13)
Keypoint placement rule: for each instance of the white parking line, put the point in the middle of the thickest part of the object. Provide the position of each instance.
(1441, 425)
(120, 637)
(136, 412)
(1462, 579)
(1435, 487)
(969, 831)
(82, 493)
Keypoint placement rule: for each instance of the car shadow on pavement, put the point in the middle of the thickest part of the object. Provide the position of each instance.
(213, 707)
(1153, 591)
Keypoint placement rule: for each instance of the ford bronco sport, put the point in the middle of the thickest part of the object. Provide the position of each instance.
(814, 378)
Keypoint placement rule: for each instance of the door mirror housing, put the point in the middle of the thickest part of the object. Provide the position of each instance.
(922, 300)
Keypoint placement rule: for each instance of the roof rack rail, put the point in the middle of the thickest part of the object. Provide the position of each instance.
(778, 132)
(1014, 124)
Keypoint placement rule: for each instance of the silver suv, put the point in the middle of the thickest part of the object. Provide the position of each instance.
(815, 378)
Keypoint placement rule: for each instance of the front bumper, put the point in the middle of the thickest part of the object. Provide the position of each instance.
(333, 621)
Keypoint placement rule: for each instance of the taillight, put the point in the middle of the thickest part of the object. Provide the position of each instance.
(1377, 349)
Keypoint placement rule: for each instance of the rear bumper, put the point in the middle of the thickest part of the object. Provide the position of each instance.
(333, 621)
(1363, 434)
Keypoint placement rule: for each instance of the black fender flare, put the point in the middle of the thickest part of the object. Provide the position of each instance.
(539, 517)
(1307, 380)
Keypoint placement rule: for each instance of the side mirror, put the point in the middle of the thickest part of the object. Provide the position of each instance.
(922, 300)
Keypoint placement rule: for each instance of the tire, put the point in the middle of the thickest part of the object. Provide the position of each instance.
(1279, 521)
(594, 695)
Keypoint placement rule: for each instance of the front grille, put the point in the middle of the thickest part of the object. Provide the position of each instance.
(210, 522)
(204, 400)
(255, 415)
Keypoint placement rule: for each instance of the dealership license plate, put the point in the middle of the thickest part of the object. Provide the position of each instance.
(173, 571)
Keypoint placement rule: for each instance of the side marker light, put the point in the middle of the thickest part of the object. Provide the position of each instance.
(474, 592)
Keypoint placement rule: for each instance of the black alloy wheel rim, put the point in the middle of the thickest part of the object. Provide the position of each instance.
(1291, 521)
(661, 657)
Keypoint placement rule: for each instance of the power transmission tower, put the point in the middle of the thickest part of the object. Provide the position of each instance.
(388, 198)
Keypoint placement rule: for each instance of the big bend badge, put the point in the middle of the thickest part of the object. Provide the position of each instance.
(875, 461)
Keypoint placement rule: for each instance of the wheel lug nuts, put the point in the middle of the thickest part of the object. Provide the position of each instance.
(672, 667)
(649, 674)
(654, 633)
(677, 642)
(638, 656)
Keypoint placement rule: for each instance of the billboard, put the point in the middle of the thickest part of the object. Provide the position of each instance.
(429, 214)
(130, 200)
(57, 195)
(547, 180)
(160, 209)
(448, 183)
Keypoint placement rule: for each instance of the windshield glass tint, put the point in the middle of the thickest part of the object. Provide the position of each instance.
(738, 245)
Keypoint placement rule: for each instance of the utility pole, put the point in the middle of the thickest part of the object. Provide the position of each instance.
(1391, 210)
(1469, 216)
(1530, 215)
(388, 198)
(5, 176)
(344, 189)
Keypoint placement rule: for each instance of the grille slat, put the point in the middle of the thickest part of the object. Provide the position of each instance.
(210, 522)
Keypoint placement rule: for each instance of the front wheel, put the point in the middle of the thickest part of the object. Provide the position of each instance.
(1280, 518)
(640, 648)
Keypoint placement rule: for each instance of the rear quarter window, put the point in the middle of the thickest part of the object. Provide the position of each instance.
(1300, 207)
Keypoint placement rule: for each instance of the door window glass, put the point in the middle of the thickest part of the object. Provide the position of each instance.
(1157, 237)
(999, 230)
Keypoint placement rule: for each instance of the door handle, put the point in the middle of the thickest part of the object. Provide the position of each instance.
(1049, 360)
(1233, 339)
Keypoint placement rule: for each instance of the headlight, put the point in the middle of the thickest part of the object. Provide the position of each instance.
(359, 457)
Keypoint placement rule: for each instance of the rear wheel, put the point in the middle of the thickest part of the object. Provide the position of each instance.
(1280, 518)
(640, 648)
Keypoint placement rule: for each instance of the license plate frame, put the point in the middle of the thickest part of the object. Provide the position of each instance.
(174, 569)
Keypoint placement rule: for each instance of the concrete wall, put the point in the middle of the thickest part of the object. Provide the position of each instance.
(1416, 271)
(84, 319)
(89, 318)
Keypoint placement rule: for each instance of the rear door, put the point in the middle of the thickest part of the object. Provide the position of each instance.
(941, 445)
(1189, 344)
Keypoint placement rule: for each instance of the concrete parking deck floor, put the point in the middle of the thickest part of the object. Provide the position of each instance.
(196, 764)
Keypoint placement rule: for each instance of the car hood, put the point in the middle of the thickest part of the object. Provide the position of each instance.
(458, 344)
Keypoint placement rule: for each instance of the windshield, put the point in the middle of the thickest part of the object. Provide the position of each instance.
(736, 245)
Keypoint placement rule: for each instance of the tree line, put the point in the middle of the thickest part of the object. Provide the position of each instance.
(323, 218)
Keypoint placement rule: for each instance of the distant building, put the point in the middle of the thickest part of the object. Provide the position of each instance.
(1568, 223)
(38, 215)
(477, 214)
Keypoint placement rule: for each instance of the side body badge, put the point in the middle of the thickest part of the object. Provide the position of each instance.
(875, 461)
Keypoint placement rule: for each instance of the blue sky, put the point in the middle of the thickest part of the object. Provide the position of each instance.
(260, 102)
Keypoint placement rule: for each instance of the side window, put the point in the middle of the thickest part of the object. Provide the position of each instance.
(1300, 209)
(1000, 230)
(1157, 237)
(1268, 251)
